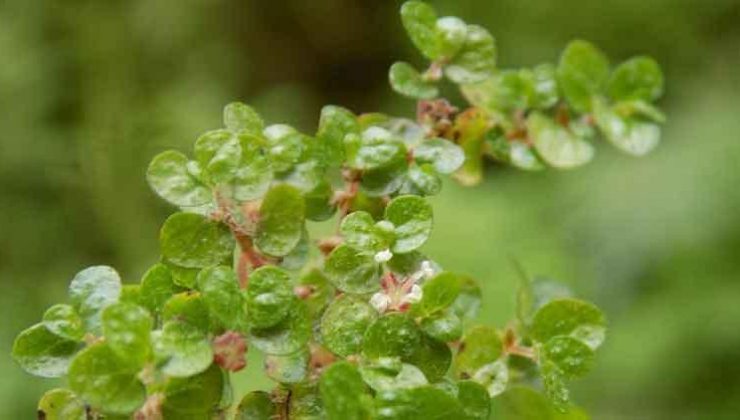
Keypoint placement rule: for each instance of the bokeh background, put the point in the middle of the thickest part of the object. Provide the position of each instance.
(90, 90)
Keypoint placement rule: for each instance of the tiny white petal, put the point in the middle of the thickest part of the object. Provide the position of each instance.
(383, 256)
(380, 301)
(414, 295)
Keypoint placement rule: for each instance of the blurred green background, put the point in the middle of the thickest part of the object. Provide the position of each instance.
(90, 90)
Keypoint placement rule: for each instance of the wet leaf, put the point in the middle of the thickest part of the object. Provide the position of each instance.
(344, 324)
(192, 241)
(43, 353)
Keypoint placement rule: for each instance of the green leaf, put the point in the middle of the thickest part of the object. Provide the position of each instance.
(422, 181)
(344, 323)
(61, 404)
(474, 399)
(451, 33)
(218, 153)
(319, 206)
(560, 147)
(387, 179)
(305, 402)
(334, 124)
(467, 304)
(554, 384)
(192, 241)
(636, 78)
(281, 221)
(241, 117)
(91, 290)
(380, 378)
(288, 369)
(472, 125)
(43, 353)
(476, 61)
(570, 355)
(480, 346)
(521, 403)
(439, 293)
(360, 232)
(352, 271)
(444, 326)
(126, 327)
(181, 276)
(105, 381)
(582, 74)
(392, 335)
(407, 81)
(171, 177)
(188, 307)
(343, 393)
(523, 157)
(257, 405)
(285, 146)
(630, 135)
(288, 336)
(157, 287)
(219, 289)
(412, 218)
(182, 349)
(432, 357)
(420, 21)
(493, 376)
(63, 320)
(254, 174)
(269, 296)
(545, 87)
(375, 149)
(446, 156)
(563, 317)
(130, 293)
(196, 397)
(421, 403)
(639, 110)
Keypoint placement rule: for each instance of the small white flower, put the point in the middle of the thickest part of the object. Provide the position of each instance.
(383, 256)
(380, 301)
(414, 295)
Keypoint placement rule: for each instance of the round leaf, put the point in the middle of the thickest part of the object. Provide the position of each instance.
(475, 401)
(558, 146)
(637, 78)
(571, 356)
(480, 346)
(183, 349)
(467, 304)
(196, 397)
(446, 156)
(335, 123)
(43, 353)
(432, 357)
(192, 241)
(420, 21)
(219, 289)
(288, 336)
(281, 221)
(105, 381)
(422, 403)
(187, 307)
(257, 405)
(157, 287)
(421, 180)
(392, 335)
(63, 320)
(343, 392)
(412, 217)
(91, 290)
(439, 292)
(241, 117)
(218, 152)
(126, 328)
(407, 81)
(269, 296)
(476, 61)
(582, 73)
(381, 379)
(61, 404)
(562, 317)
(352, 271)
(451, 34)
(361, 233)
(630, 135)
(169, 176)
(444, 326)
(344, 323)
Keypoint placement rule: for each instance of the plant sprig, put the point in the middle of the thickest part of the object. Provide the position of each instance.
(360, 324)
